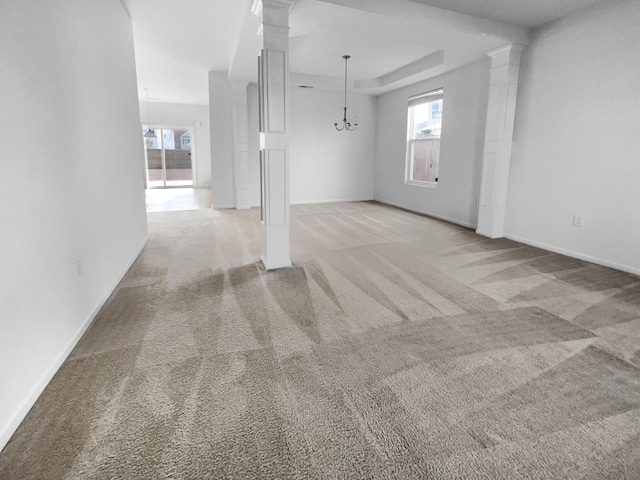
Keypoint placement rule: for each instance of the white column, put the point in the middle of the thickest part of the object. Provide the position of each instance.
(241, 144)
(503, 87)
(273, 77)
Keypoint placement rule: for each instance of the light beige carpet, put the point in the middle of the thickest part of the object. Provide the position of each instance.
(397, 346)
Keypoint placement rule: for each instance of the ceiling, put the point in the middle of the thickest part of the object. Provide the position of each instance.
(528, 14)
(392, 42)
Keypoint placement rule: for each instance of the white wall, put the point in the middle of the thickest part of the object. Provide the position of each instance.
(73, 211)
(178, 115)
(463, 117)
(577, 138)
(222, 146)
(327, 165)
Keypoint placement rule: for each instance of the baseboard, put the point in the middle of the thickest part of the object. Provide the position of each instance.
(429, 214)
(526, 241)
(223, 207)
(486, 234)
(337, 200)
(7, 431)
(571, 253)
(303, 202)
(268, 266)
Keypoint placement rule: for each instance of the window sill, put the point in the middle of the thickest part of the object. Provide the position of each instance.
(420, 183)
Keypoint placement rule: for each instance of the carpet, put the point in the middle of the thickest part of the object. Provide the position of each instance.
(396, 346)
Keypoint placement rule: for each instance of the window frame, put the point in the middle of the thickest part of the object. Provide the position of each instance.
(423, 98)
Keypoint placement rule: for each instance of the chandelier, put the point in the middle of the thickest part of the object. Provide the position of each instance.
(346, 123)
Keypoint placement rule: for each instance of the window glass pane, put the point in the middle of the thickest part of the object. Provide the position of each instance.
(153, 148)
(426, 160)
(177, 150)
(421, 119)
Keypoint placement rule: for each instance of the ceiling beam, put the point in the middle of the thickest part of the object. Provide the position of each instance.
(243, 63)
(244, 60)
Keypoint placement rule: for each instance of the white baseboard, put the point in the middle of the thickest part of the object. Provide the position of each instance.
(571, 253)
(430, 214)
(7, 430)
(335, 200)
(303, 202)
(486, 234)
(269, 266)
(234, 207)
(526, 241)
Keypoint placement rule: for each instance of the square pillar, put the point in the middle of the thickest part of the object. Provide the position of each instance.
(503, 88)
(273, 92)
(241, 144)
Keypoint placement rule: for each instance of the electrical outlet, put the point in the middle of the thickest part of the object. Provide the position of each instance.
(474, 202)
(578, 221)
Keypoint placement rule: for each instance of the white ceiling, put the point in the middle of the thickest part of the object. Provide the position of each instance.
(392, 42)
(178, 41)
(524, 13)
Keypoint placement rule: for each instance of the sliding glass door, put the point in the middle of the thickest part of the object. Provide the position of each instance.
(168, 158)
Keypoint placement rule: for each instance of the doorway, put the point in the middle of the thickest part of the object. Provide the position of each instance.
(168, 158)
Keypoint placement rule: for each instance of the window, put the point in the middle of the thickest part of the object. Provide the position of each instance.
(423, 138)
(185, 140)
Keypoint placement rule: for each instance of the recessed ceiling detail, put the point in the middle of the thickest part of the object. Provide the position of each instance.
(393, 43)
(528, 14)
(419, 66)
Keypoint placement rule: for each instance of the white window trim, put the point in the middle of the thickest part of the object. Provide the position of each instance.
(426, 97)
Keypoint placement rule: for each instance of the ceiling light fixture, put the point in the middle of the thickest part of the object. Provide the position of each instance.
(346, 124)
(150, 133)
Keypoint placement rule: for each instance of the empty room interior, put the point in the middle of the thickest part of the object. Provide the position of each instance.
(320, 239)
